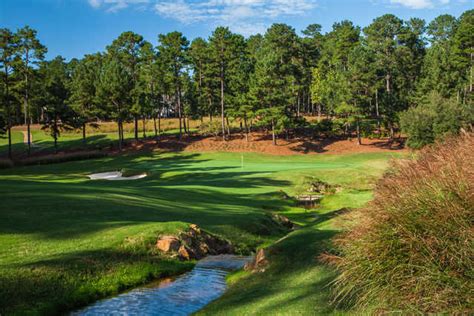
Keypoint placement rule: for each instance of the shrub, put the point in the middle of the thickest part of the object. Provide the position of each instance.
(434, 120)
(411, 248)
(338, 126)
(323, 126)
(6, 163)
(210, 128)
(367, 128)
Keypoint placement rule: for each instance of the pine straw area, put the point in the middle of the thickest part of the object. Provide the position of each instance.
(261, 143)
(72, 147)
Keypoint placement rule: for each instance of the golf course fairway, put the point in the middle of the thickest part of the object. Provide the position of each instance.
(66, 240)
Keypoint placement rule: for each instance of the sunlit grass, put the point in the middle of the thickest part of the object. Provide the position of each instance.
(66, 240)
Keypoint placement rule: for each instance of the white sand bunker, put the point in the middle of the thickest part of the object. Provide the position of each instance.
(114, 175)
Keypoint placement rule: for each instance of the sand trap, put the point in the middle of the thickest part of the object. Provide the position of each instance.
(114, 175)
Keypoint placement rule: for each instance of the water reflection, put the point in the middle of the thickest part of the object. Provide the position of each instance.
(183, 296)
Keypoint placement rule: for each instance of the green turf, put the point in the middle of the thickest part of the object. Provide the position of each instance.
(294, 282)
(66, 241)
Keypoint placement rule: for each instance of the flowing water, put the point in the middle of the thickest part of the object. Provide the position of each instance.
(183, 296)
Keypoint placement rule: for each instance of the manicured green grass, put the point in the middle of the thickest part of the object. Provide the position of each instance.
(66, 241)
(295, 282)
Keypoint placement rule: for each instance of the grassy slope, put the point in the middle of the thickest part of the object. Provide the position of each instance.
(294, 283)
(65, 240)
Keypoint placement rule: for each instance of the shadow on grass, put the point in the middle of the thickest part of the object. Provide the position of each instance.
(294, 283)
(103, 141)
(76, 279)
(60, 202)
(42, 147)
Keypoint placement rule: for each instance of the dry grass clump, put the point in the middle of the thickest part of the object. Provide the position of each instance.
(411, 250)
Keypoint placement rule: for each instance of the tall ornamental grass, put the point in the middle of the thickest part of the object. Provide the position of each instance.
(411, 249)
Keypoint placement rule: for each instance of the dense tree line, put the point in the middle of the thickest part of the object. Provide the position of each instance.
(360, 81)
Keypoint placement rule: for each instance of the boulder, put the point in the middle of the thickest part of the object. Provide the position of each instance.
(184, 254)
(283, 220)
(204, 248)
(193, 243)
(195, 228)
(258, 263)
(168, 243)
(261, 259)
(319, 186)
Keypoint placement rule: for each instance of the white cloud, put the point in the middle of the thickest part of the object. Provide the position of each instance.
(243, 16)
(94, 3)
(181, 11)
(420, 4)
(115, 5)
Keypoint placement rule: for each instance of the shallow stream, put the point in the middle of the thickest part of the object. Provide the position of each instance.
(185, 295)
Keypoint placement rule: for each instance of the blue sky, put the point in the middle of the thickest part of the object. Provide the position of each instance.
(72, 28)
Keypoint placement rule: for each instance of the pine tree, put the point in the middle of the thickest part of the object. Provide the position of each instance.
(271, 87)
(173, 51)
(127, 48)
(8, 47)
(58, 115)
(83, 91)
(114, 87)
(30, 52)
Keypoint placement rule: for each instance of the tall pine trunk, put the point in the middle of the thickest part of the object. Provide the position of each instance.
(359, 141)
(159, 124)
(144, 126)
(27, 117)
(28, 130)
(84, 133)
(178, 100)
(471, 71)
(377, 113)
(55, 133)
(298, 104)
(273, 133)
(222, 102)
(122, 132)
(10, 141)
(246, 129)
(135, 120)
(184, 124)
(55, 143)
(119, 134)
(154, 126)
(9, 124)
